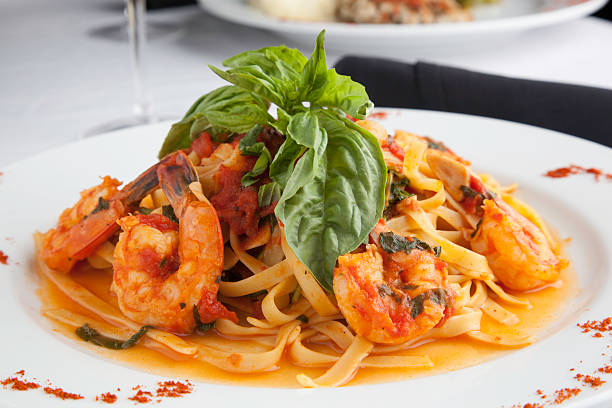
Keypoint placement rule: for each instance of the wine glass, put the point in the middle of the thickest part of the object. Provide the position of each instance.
(142, 112)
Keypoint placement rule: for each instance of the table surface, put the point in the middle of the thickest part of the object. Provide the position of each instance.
(65, 66)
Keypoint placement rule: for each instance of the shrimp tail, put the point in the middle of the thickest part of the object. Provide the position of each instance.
(175, 177)
(63, 247)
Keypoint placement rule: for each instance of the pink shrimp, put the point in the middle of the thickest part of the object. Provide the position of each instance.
(93, 219)
(167, 274)
(517, 251)
(392, 297)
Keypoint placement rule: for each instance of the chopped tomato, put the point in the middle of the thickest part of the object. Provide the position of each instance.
(237, 205)
(203, 146)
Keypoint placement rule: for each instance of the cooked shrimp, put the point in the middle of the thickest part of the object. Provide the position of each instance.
(92, 220)
(164, 272)
(517, 251)
(392, 297)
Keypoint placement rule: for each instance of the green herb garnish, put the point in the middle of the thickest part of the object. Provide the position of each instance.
(473, 234)
(91, 335)
(432, 144)
(398, 192)
(439, 296)
(330, 172)
(268, 194)
(392, 243)
(417, 305)
(470, 192)
(297, 293)
(258, 293)
(168, 212)
(145, 210)
(302, 318)
(102, 205)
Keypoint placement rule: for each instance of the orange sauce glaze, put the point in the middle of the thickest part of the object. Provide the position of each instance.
(446, 354)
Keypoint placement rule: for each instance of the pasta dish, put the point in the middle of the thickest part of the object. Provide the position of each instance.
(313, 233)
(370, 11)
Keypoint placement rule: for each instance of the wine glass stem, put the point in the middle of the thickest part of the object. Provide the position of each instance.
(137, 37)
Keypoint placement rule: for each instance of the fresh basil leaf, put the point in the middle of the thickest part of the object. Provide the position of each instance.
(344, 93)
(260, 166)
(252, 78)
(334, 212)
(282, 121)
(178, 138)
(227, 109)
(314, 74)
(284, 162)
(305, 170)
(282, 65)
(268, 194)
(304, 129)
(248, 144)
(280, 61)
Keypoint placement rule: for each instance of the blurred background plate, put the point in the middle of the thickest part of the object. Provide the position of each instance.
(492, 24)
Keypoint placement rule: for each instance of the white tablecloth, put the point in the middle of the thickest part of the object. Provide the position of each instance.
(59, 77)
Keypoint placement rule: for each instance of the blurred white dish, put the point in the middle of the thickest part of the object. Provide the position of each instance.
(492, 23)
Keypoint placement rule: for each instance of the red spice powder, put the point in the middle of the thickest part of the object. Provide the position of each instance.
(574, 169)
(565, 394)
(17, 384)
(60, 393)
(601, 326)
(533, 405)
(378, 115)
(3, 258)
(20, 372)
(605, 369)
(590, 380)
(173, 389)
(141, 396)
(107, 397)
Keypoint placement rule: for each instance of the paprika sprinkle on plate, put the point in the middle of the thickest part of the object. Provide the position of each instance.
(18, 385)
(600, 326)
(3, 258)
(562, 172)
(60, 393)
(107, 397)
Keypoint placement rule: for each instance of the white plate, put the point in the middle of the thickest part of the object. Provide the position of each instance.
(35, 190)
(492, 23)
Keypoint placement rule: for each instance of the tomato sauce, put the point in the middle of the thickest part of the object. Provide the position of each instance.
(158, 221)
(238, 205)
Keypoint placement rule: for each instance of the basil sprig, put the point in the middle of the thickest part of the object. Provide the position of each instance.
(331, 172)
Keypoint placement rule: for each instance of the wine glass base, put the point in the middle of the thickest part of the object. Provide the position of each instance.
(127, 122)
